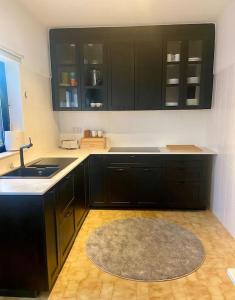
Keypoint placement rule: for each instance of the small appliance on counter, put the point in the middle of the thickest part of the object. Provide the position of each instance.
(69, 144)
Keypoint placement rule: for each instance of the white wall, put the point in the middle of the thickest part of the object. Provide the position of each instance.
(20, 32)
(141, 128)
(222, 130)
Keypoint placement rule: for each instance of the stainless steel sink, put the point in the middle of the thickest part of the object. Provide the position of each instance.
(32, 172)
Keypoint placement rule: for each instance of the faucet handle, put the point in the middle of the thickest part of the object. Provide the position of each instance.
(30, 141)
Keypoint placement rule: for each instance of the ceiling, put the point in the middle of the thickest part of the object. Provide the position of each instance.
(84, 13)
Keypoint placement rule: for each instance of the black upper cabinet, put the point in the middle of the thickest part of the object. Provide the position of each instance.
(121, 76)
(133, 68)
(148, 71)
(188, 54)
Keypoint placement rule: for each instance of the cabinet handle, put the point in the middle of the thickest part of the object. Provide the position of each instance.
(120, 170)
(146, 170)
(132, 156)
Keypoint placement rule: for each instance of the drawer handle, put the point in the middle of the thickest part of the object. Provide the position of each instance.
(146, 170)
(132, 156)
(120, 170)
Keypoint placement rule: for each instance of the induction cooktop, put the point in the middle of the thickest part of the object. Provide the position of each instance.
(134, 149)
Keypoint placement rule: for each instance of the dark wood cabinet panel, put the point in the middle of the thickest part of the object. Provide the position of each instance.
(80, 194)
(148, 186)
(97, 196)
(119, 186)
(180, 194)
(148, 75)
(66, 230)
(52, 246)
(121, 76)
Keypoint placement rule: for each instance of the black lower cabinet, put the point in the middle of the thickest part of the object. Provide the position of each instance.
(148, 186)
(97, 195)
(150, 181)
(51, 237)
(119, 186)
(81, 194)
(37, 233)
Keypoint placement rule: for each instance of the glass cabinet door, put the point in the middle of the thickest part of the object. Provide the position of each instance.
(93, 76)
(173, 72)
(67, 80)
(194, 67)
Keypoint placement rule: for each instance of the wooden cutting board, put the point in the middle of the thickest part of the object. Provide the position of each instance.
(184, 148)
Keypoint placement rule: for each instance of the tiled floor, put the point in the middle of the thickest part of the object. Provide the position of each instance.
(82, 280)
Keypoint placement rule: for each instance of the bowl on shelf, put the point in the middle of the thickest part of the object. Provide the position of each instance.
(171, 103)
(194, 59)
(173, 81)
(193, 80)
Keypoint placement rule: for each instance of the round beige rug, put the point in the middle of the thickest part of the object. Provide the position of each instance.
(145, 249)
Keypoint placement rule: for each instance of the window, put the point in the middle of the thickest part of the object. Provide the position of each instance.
(4, 110)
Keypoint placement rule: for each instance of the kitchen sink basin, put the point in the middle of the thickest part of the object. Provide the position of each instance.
(31, 172)
(41, 168)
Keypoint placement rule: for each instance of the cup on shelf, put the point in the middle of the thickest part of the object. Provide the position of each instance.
(92, 104)
(94, 133)
(169, 57)
(177, 57)
(173, 57)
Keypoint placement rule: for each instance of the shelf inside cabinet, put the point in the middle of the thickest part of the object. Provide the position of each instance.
(172, 84)
(173, 62)
(67, 86)
(94, 87)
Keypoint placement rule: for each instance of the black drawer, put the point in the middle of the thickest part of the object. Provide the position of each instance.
(65, 192)
(135, 159)
(183, 173)
(183, 170)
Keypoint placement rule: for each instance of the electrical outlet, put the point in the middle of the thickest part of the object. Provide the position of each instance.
(77, 129)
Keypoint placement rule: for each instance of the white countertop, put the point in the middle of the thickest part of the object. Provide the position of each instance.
(41, 186)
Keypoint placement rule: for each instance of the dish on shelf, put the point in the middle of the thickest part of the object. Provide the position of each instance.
(193, 80)
(194, 59)
(94, 104)
(173, 81)
(191, 102)
(169, 103)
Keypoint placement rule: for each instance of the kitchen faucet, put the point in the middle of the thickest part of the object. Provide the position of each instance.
(22, 152)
